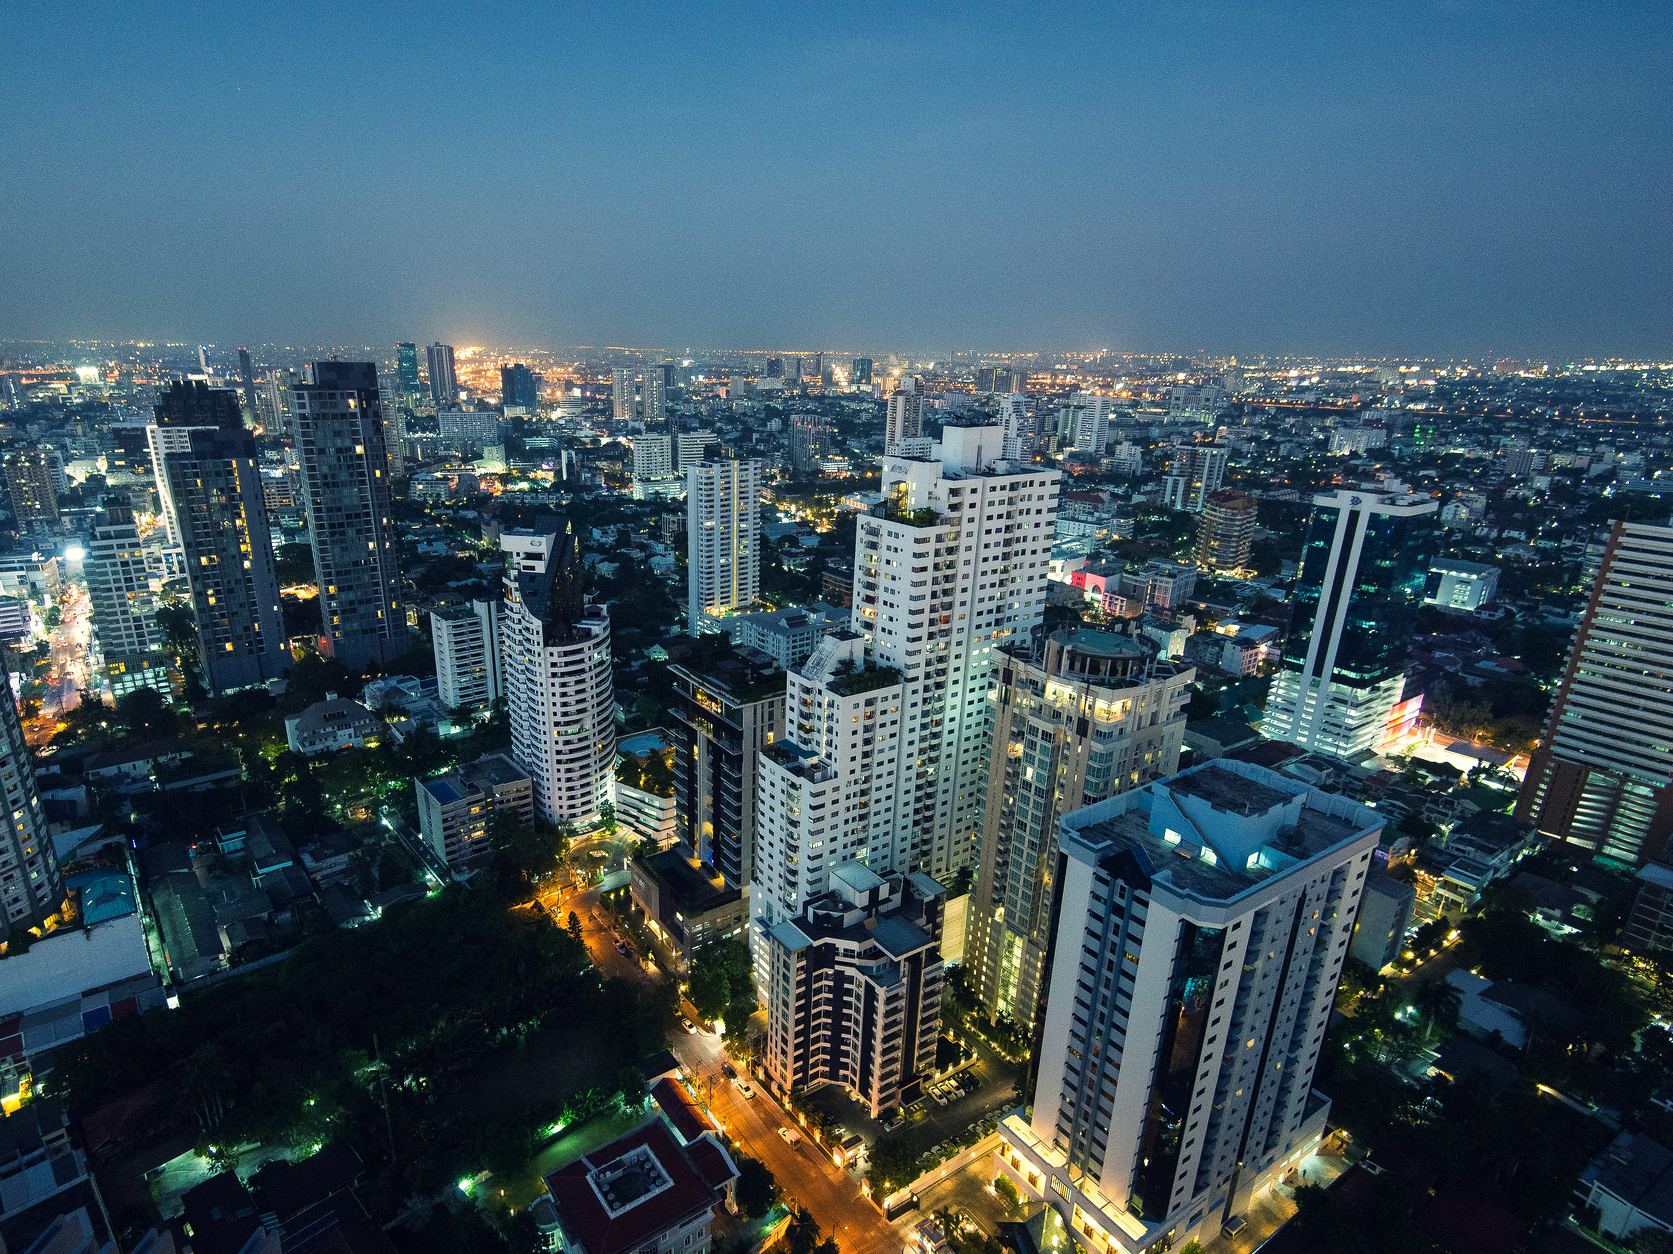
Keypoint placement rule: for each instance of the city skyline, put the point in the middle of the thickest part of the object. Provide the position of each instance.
(1344, 182)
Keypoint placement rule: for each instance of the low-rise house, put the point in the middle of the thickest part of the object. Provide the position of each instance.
(332, 724)
(1630, 1185)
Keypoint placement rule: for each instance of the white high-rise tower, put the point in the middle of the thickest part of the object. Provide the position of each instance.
(723, 540)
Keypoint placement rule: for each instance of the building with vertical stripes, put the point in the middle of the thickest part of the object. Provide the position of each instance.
(723, 540)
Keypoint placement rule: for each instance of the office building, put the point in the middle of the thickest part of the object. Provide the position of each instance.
(30, 888)
(810, 440)
(624, 405)
(728, 706)
(1095, 715)
(1459, 585)
(247, 377)
(691, 447)
(211, 480)
(1600, 778)
(444, 379)
(467, 647)
(1018, 424)
(519, 388)
(455, 811)
(1203, 922)
(653, 397)
(274, 407)
(905, 419)
(1384, 916)
(984, 378)
(860, 372)
(34, 501)
(470, 432)
(1226, 531)
(406, 370)
(723, 540)
(1195, 400)
(1341, 683)
(889, 723)
(773, 368)
(124, 608)
(345, 476)
(555, 660)
(652, 456)
(1087, 422)
(1194, 472)
(854, 994)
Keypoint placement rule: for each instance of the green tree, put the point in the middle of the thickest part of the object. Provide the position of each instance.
(607, 817)
(575, 927)
(630, 1087)
(757, 1190)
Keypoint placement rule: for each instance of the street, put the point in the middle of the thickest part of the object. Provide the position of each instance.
(71, 643)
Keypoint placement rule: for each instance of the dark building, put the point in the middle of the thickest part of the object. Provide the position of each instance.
(684, 904)
(406, 369)
(861, 376)
(444, 379)
(213, 483)
(34, 502)
(345, 477)
(810, 437)
(774, 368)
(247, 375)
(193, 403)
(728, 706)
(519, 386)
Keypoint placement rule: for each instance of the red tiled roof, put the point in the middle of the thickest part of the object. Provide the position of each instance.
(688, 1121)
(599, 1232)
(712, 1161)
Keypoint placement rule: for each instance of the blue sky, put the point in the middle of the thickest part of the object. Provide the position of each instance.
(1423, 178)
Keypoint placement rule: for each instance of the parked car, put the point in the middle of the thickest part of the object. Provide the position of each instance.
(687, 1024)
(729, 1071)
(790, 1135)
(743, 1087)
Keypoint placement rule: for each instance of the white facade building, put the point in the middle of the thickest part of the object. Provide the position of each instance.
(1457, 585)
(555, 663)
(906, 415)
(1204, 923)
(723, 540)
(653, 457)
(1193, 473)
(466, 639)
(1018, 422)
(624, 405)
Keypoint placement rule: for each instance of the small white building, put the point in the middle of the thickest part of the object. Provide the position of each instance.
(1631, 1186)
(332, 724)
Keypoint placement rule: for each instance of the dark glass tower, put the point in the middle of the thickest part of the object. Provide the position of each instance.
(345, 474)
(519, 386)
(444, 380)
(406, 369)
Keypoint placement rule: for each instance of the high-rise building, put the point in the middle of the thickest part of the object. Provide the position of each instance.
(1602, 777)
(1193, 472)
(889, 724)
(519, 388)
(406, 370)
(31, 891)
(1015, 418)
(1226, 531)
(34, 502)
(860, 372)
(905, 419)
(203, 361)
(809, 442)
(773, 369)
(691, 447)
(723, 540)
(1204, 920)
(470, 432)
(728, 706)
(653, 402)
(1086, 419)
(984, 378)
(345, 476)
(854, 995)
(247, 376)
(211, 478)
(124, 608)
(1341, 684)
(275, 400)
(1095, 715)
(624, 406)
(652, 458)
(555, 662)
(187, 405)
(467, 646)
(444, 379)
(455, 811)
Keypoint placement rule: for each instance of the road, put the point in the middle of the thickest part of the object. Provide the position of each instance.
(71, 643)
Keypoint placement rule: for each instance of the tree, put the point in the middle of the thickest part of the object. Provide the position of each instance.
(607, 817)
(1439, 1003)
(630, 1087)
(575, 927)
(757, 1190)
(144, 715)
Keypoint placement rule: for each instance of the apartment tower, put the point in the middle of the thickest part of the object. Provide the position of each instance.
(723, 540)
(467, 646)
(444, 379)
(124, 609)
(1226, 531)
(31, 890)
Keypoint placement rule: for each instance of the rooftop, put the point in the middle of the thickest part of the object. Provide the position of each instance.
(627, 1193)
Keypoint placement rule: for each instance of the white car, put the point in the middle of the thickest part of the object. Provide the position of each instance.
(743, 1087)
(790, 1135)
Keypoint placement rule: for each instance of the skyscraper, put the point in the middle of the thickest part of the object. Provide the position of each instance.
(124, 609)
(34, 502)
(406, 370)
(276, 400)
(774, 369)
(653, 456)
(860, 372)
(653, 397)
(1341, 684)
(1202, 928)
(906, 416)
(728, 706)
(30, 888)
(519, 388)
(247, 374)
(1194, 471)
(1226, 531)
(203, 360)
(555, 657)
(345, 476)
(1018, 424)
(1095, 715)
(809, 442)
(444, 379)
(212, 480)
(723, 540)
(1600, 778)
(624, 407)
(187, 405)
(467, 642)
(1088, 421)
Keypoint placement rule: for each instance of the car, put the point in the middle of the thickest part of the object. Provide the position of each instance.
(687, 1024)
(790, 1135)
(743, 1087)
(621, 949)
(729, 1071)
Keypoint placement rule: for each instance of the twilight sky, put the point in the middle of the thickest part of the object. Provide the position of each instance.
(1438, 177)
